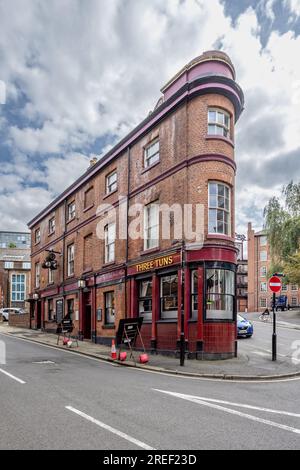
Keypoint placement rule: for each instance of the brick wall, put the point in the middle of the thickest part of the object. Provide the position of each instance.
(20, 321)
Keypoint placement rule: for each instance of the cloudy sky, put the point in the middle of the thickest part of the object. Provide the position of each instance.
(80, 74)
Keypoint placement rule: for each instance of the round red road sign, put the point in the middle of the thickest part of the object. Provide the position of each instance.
(275, 284)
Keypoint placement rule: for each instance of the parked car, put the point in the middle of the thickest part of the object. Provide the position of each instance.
(4, 312)
(244, 327)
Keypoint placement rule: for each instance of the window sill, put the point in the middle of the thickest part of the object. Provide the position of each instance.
(110, 194)
(87, 270)
(70, 220)
(167, 320)
(219, 137)
(88, 208)
(51, 233)
(107, 265)
(150, 167)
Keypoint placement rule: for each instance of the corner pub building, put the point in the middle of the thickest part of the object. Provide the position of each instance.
(183, 153)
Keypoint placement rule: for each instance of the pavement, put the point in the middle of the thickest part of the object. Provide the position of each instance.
(254, 361)
(57, 399)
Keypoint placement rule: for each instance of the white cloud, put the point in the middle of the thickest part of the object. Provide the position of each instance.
(294, 6)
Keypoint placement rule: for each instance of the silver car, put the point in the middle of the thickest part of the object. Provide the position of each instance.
(4, 312)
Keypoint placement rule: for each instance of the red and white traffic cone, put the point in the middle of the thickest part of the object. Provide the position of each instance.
(113, 350)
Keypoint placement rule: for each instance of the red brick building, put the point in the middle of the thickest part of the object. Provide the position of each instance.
(259, 264)
(182, 153)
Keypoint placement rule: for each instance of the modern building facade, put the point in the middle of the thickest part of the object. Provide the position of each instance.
(182, 153)
(259, 263)
(15, 269)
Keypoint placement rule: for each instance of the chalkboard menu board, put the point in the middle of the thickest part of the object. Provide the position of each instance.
(59, 310)
(128, 330)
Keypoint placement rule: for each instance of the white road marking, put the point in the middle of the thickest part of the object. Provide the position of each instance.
(110, 429)
(242, 405)
(200, 401)
(12, 377)
(260, 353)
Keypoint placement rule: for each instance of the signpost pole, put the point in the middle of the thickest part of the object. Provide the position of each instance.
(274, 336)
(275, 286)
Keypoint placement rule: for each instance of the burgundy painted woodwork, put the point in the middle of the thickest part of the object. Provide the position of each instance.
(200, 303)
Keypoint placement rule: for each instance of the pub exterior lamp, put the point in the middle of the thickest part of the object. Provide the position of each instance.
(81, 283)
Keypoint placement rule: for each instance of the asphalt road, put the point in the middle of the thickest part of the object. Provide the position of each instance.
(288, 342)
(73, 402)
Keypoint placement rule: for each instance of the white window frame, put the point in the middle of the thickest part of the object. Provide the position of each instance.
(263, 302)
(8, 265)
(110, 242)
(50, 276)
(111, 306)
(26, 265)
(151, 227)
(263, 271)
(151, 153)
(263, 255)
(263, 240)
(284, 287)
(263, 287)
(294, 301)
(19, 292)
(37, 275)
(70, 260)
(216, 208)
(71, 211)
(51, 225)
(112, 182)
(218, 126)
(294, 287)
(37, 236)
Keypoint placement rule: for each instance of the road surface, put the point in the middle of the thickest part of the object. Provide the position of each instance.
(55, 399)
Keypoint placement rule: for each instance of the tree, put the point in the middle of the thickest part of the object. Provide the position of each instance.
(283, 230)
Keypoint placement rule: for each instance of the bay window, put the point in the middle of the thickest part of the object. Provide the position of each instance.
(220, 294)
(218, 122)
(219, 209)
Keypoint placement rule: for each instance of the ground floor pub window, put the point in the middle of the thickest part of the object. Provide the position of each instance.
(70, 309)
(145, 299)
(194, 291)
(109, 298)
(169, 296)
(220, 294)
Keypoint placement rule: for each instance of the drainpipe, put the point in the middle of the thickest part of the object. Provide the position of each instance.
(127, 230)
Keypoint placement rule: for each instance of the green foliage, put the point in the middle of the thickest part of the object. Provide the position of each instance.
(282, 225)
(12, 245)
